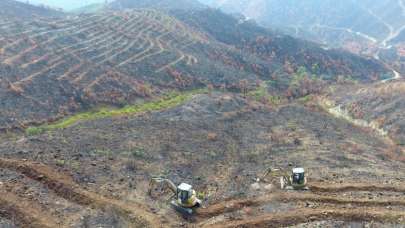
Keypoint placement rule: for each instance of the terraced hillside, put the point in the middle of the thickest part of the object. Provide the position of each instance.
(198, 97)
(48, 66)
(53, 67)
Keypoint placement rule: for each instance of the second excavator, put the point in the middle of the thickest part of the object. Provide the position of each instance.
(185, 199)
(295, 180)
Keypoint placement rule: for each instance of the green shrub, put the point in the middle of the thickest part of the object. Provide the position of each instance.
(305, 99)
(60, 162)
(261, 94)
(31, 131)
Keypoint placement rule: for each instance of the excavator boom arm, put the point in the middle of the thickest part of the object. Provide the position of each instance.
(166, 182)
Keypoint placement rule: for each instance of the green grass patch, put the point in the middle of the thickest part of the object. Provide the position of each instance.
(34, 130)
(305, 99)
(168, 101)
(261, 94)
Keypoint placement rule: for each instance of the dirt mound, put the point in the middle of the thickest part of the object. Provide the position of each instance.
(324, 207)
(238, 204)
(307, 215)
(346, 187)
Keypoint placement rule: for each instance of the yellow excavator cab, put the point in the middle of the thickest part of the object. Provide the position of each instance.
(185, 196)
(296, 181)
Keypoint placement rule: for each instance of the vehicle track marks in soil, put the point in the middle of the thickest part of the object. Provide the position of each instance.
(64, 187)
(287, 197)
(23, 213)
(294, 217)
(323, 187)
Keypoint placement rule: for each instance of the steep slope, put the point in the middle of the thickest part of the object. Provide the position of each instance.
(365, 27)
(380, 106)
(157, 4)
(92, 8)
(220, 143)
(50, 68)
(198, 97)
(26, 11)
(275, 47)
(367, 19)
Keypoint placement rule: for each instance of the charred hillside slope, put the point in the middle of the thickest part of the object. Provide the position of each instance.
(157, 4)
(251, 38)
(381, 106)
(50, 68)
(14, 8)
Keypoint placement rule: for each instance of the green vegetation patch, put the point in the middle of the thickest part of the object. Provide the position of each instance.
(168, 101)
(306, 99)
(261, 94)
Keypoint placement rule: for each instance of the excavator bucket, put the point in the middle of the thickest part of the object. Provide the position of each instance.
(159, 187)
(185, 196)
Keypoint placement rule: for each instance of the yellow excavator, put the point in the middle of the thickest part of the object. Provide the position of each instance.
(296, 180)
(185, 197)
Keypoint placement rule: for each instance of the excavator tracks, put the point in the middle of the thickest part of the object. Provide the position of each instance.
(22, 203)
(23, 185)
(361, 202)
